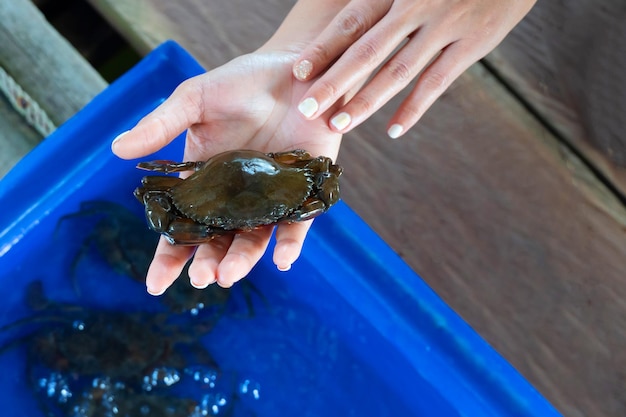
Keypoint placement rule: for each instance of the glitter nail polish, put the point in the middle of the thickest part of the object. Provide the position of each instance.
(303, 69)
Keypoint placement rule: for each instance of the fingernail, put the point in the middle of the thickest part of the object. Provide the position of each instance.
(283, 268)
(308, 107)
(154, 292)
(341, 121)
(395, 131)
(118, 137)
(199, 286)
(225, 283)
(303, 69)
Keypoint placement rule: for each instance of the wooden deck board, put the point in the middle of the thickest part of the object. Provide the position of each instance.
(47, 68)
(480, 199)
(44, 63)
(17, 138)
(575, 78)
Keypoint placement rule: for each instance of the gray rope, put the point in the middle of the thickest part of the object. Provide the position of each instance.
(20, 100)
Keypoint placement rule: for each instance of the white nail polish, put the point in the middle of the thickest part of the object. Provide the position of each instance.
(118, 137)
(308, 107)
(198, 286)
(395, 131)
(156, 293)
(303, 69)
(341, 121)
(283, 268)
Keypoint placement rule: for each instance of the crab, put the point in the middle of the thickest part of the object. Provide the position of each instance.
(118, 235)
(236, 191)
(83, 361)
(82, 341)
(122, 240)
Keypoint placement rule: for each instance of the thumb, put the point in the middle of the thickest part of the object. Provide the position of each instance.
(181, 110)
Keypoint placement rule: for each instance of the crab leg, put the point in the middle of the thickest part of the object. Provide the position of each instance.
(170, 166)
(310, 209)
(185, 232)
(290, 157)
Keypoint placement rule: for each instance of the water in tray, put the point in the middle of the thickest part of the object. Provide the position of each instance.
(276, 344)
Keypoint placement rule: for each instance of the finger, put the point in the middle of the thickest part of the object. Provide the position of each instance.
(245, 251)
(203, 268)
(181, 110)
(289, 241)
(352, 69)
(345, 29)
(433, 81)
(166, 266)
(393, 76)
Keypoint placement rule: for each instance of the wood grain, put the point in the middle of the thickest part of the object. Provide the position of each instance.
(480, 199)
(16, 137)
(46, 66)
(568, 60)
(493, 220)
(44, 63)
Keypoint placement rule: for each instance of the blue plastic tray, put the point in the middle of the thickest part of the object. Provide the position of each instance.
(357, 333)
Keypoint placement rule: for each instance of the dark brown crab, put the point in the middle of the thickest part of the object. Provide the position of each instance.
(74, 339)
(236, 191)
(121, 239)
(88, 362)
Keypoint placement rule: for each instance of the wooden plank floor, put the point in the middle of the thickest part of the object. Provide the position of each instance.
(480, 199)
(575, 78)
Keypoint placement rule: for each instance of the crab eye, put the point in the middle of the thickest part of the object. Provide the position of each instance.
(322, 178)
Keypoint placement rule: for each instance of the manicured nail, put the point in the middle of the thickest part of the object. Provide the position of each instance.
(395, 131)
(118, 137)
(308, 107)
(154, 292)
(283, 268)
(303, 69)
(225, 283)
(199, 286)
(341, 121)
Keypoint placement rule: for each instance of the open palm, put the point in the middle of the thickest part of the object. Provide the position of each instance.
(249, 103)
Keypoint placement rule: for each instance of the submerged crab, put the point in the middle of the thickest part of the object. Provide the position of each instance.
(236, 191)
(117, 234)
(74, 339)
(122, 240)
(91, 362)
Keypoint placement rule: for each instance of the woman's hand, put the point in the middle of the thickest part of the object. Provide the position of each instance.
(248, 103)
(431, 40)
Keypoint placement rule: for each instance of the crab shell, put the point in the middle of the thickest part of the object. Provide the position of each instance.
(240, 190)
